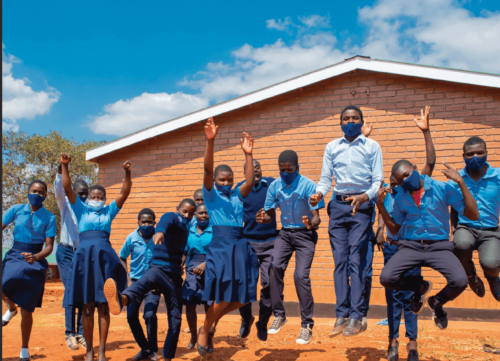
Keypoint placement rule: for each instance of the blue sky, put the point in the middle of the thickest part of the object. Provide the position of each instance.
(100, 70)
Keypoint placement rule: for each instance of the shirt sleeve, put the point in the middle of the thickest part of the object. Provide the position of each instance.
(59, 190)
(398, 215)
(325, 182)
(51, 230)
(209, 196)
(309, 190)
(9, 216)
(238, 193)
(113, 210)
(271, 198)
(77, 208)
(455, 199)
(377, 172)
(126, 248)
(165, 221)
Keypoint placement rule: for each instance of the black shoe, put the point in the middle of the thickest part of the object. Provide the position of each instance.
(393, 353)
(438, 315)
(353, 328)
(340, 324)
(418, 298)
(24, 359)
(476, 285)
(494, 287)
(142, 355)
(261, 331)
(412, 354)
(246, 326)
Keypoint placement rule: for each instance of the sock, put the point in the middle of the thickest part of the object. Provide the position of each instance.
(7, 316)
(25, 353)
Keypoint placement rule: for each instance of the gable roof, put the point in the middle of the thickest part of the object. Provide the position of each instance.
(357, 62)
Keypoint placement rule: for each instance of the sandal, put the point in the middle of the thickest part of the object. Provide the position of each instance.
(202, 350)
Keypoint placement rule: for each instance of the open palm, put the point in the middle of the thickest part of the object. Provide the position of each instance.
(247, 143)
(367, 129)
(423, 123)
(211, 128)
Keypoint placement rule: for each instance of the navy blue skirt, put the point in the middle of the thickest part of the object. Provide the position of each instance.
(232, 268)
(193, 286)
(23, 283)
(93, 263)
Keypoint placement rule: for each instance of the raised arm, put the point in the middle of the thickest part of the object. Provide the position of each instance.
(127, 185)
(59, 188)
(391, 225)
(430, 152)
(210, 133)
(247, 146)
(470, 211)
(66, 180)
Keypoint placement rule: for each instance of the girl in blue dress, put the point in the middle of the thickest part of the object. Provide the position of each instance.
(95, 260)
(232, 267)
(195, 256)
(24, 266)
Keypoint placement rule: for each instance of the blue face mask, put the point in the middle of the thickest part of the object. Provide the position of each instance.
(184, 220)
(395, 191)
(83, 199)
(147, 231)
(226, 190)
(476, 163)
(412, 183)
(288, 178)
(352, 129)
(35, 200)
(203, 224)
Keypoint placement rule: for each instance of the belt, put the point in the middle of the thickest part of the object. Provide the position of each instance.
(295, 230)
(260, 237)
(65, 245)
(429, 242)
(342, 198)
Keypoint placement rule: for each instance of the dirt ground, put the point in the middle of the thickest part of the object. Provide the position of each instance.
(461, 341)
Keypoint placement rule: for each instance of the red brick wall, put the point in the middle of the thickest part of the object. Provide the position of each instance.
(170, 167)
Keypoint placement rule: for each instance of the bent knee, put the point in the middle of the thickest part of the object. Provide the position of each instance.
(490, 265)
(463, 240)
(459, 282)
(149, 316)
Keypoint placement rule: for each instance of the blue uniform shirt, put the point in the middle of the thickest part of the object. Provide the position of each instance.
(141, 252)
(389, 206)
(94, 221)
(487, 194)
(254, 203)
(30, 227)
(432, 221)
(69, 224)
(198, 243)
(223, 210)
(293, 200)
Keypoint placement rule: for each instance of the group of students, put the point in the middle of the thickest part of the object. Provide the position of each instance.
(225, 235)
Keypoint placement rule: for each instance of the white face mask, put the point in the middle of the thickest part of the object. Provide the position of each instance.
(95, 206)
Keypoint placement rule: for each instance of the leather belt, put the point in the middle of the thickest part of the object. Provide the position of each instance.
(343, 197)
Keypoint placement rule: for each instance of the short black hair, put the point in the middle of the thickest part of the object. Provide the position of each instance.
(289, 156)
(99, 188)
(222, 168)
(39, 182)
(199, 205)
(188, 201)
(146, 211)
(473, 141)
(353, 107)
(198, 190)
(245, 164)
(398, 165)
(79, 183)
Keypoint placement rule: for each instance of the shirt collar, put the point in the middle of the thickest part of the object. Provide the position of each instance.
(142, 238)
(259, 186)
(489, 173)
(195, 231)
(360, 137)
(27, 209)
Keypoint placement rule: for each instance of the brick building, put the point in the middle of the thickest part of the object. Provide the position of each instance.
(303, 114)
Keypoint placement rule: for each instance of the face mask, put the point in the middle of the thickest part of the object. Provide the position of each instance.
(288, 178)
(226, 190)
(412, 183)
(83, 199)
(95, 206)
(184, 221)
(203, 224)
(147, 231)
(35, 200)
(476, 163)
(352, 129)
(395, 191)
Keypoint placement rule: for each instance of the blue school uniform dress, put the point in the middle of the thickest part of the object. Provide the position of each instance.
(196, 251)
(23, 283)
(232, 266)
(95, 260)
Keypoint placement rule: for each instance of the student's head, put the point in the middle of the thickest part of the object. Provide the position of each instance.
(474, 147)
(257, 171)
(401, 170)
(351, 114)
(288, 161)
(97, 193)
(223, 175)
(81, 188)
(146, 217)
(198, 196)
(38, 187)
(201, 212)
(187, 208)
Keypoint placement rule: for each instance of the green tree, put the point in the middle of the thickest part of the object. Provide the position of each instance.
(26, 158)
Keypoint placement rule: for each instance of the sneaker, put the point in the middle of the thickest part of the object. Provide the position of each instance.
(364, 324)
(353, 328)
(81, 341)
(113, 296)
(278, 322)
(305, 335)
(7, 316)
(340, 324)
(261, 331)
(142, 355)
(246, 326)
(154, 356)
(494, 287)
(72, 343)
(418, 299)
(476, 285)
(438, 315)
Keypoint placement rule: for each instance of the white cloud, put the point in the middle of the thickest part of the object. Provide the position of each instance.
(19, 100)
(126, 116)
(315, 21)
(279, 25)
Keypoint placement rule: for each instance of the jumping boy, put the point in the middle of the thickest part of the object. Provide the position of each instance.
(299, 220)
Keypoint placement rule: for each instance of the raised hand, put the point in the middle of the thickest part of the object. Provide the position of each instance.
(357, 201)
(315, 199)
(382, 192)
(261, 214)
(211, 128)
(247, 143)
(65, 158)
(452, 173)
(127, 166)
(423, 123)
(158, 238)
(367, 129)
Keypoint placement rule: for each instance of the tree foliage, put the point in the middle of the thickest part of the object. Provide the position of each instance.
(26, 158)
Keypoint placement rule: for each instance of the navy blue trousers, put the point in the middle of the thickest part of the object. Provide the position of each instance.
(64, 257)
(303, 243)
(151, 302)
(349, 243)
(399, 302)
(170, 285)
(264, 251)
(368, 277)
